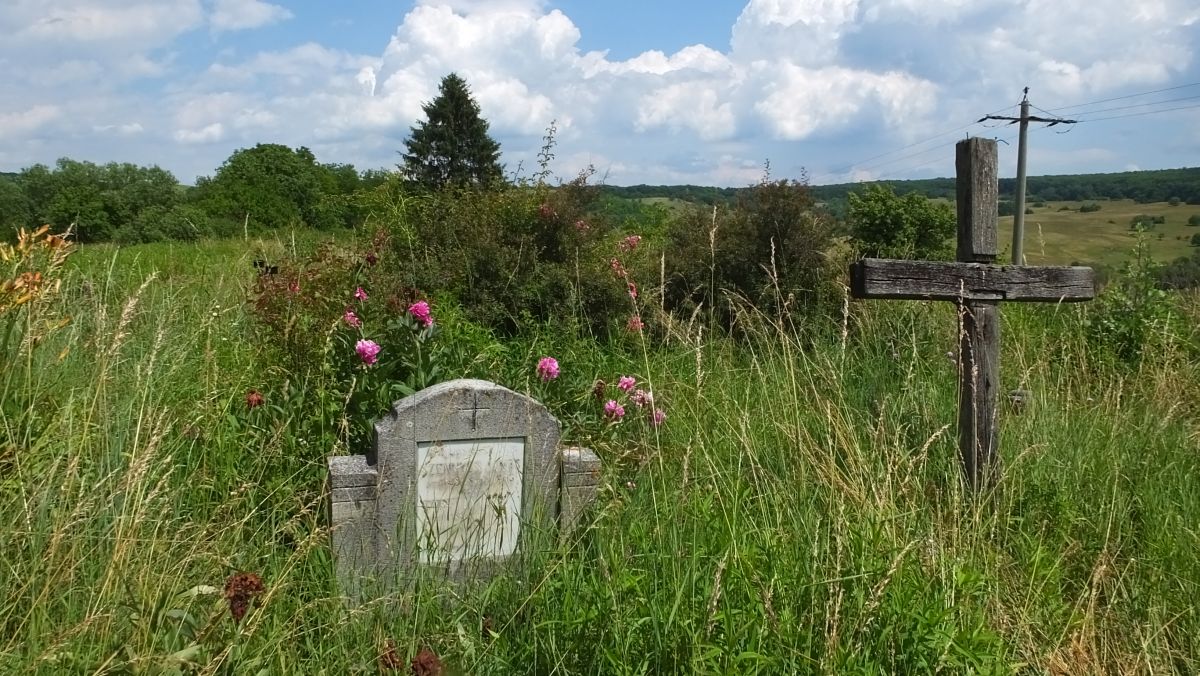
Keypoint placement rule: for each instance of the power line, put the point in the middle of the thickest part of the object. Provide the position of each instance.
(1140, 105)
(1148, 112)
(861, 164)
(1127, 96)
(922, 165)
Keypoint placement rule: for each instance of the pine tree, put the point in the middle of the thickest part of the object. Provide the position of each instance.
(452, 146)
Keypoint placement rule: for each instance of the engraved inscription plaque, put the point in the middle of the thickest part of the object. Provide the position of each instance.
(469, 497)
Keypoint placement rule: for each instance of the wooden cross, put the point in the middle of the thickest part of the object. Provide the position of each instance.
(978, 286)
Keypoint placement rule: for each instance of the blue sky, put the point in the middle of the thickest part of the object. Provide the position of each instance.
(657, 91)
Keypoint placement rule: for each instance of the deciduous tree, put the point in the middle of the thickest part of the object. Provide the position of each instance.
(887, 225)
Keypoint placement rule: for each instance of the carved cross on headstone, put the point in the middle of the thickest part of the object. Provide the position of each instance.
(474, 410)
(977, 285)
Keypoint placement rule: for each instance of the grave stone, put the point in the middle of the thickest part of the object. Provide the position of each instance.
(461, 475)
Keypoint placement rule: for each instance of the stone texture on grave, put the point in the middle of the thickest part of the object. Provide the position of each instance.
(580, 484)
(461, 473)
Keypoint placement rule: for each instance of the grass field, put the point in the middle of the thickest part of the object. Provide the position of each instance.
(1059, 234)
(800, 512)
(1057, 237)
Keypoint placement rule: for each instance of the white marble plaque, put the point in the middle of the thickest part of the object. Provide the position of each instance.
(469, 498)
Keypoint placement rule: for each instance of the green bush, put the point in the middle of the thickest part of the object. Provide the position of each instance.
(1181, 273)
(774, 249)
(511, 256)
(316, 316)
(886, 225)
(1146, 222)
(273, 186)
(1132, 315)
(1088, 207)
(1194, 219)
(182, 222)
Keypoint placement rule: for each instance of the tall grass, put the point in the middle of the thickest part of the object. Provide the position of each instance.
(800, 512)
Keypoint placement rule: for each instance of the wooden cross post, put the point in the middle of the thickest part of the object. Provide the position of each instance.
(978, 286)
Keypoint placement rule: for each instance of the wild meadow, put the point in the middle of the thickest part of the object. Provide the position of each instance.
(166, 411)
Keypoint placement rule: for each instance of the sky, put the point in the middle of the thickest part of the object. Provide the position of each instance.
(705, 92)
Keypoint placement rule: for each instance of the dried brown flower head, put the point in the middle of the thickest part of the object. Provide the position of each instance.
(254, 399)
(389, 659)
(240, 590)
(426, 663)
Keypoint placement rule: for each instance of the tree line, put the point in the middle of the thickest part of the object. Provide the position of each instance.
(261, 188)
(264, 187)
(271, 186)
(1160, 185)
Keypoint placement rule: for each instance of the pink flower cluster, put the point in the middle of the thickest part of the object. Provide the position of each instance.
(351, 319)
(547, 368)
(630, 243)
(368, 351)
(641, 399)
(420, 312)
(613, 410)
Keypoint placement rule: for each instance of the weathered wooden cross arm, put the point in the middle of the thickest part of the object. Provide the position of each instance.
(978, 285)
(937, 280)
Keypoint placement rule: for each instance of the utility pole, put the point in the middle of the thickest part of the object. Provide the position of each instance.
(1022, 149)
(1019, 214)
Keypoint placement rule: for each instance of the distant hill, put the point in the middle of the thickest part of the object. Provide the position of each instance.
(1141, 186)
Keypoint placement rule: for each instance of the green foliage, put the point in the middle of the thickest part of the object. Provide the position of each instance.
(313, 312)
(800, 512)
(1195, 239)
(451, 147)
(1145, 221)
(1141, 186)
(182, 222)
(1173, 201)
(1089, 207)
(15, 210)
(1132, 316)
(697, 194)
(274, 186)
(1181, 273)
(94, 200)
(512, 255)
(1194, 219)
(885, 225)
(774, 249)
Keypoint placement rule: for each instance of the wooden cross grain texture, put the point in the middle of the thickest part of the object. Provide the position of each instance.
(978, 286)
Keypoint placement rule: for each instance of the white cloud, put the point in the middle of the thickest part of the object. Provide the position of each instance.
(802, 82)
(688, 105)
(82, 24)
(21, 122)
(127, 129)
(233, 15)
(207, 134)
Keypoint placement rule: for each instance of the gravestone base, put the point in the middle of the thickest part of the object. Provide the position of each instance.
(463, 476)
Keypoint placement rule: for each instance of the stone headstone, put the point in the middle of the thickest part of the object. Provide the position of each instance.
(461, 475)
